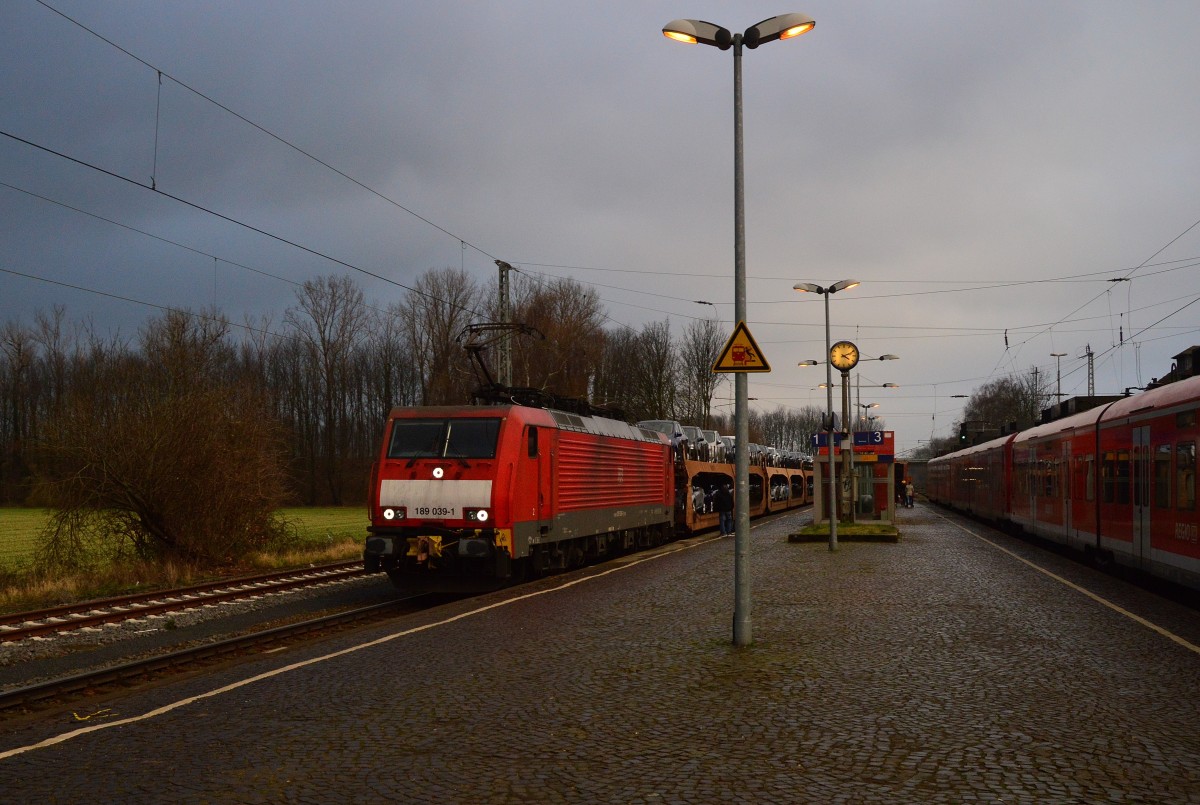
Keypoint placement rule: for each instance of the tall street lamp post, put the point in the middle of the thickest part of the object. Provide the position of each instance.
(809, 287)
(866, 407)
(1058, 356)
(784, 26)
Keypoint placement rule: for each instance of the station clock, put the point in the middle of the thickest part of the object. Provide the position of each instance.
(843, 355)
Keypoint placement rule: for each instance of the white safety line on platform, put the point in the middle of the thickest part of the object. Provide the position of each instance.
(66, 736)
(1098, 599)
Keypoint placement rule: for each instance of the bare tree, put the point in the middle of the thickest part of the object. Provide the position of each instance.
(331, 322)
(161, 456)
(1006, 402)
(571, 319)
(790, 429)
(611, 386)
(441, 304)
(652, 373)
(18, 352)
(698, 351)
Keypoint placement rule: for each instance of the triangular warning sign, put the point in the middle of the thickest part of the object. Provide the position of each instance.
(741, 353)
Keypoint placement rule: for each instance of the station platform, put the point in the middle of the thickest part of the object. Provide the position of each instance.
(955, 665)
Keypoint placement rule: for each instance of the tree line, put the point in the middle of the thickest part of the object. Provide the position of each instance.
(310, 390)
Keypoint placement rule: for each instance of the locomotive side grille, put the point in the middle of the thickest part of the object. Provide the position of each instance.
(605, 473)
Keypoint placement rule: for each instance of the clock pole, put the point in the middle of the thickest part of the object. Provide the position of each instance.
(833, 357)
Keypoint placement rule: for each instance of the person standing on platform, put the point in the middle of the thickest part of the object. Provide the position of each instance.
(723, 506)
(908, 493)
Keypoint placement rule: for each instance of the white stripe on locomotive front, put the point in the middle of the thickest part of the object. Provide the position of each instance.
(431, 494)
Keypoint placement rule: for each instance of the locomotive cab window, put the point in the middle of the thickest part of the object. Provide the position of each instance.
(444, 438)
(533, 442)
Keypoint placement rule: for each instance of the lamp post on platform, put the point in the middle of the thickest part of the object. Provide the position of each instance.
(691, 32)
(866, 407)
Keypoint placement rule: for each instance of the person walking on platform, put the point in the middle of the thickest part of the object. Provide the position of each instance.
(723, 505)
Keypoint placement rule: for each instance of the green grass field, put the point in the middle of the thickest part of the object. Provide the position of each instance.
(329, 523)
(317, 526)
(18, 535)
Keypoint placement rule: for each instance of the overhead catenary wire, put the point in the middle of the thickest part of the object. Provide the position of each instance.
(231, 220)
(464, 244)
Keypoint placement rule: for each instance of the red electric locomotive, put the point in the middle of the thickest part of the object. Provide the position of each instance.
(1118, 481)
(467, 498)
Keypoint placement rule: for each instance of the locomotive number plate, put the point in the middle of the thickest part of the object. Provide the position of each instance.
(435, 512)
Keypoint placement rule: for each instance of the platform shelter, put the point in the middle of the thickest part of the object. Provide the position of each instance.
(867, 485)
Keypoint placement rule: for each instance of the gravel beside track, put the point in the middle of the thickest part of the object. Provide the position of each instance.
(36, 660)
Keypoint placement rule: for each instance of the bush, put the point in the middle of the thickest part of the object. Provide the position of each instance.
(164, 456)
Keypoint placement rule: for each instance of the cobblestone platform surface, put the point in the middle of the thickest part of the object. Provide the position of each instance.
(943, 668)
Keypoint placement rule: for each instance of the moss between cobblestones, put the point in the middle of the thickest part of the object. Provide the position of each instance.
(851, 532)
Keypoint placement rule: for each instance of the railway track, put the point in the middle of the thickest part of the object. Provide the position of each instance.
(96, 681)
(92, 614)
(77, 683)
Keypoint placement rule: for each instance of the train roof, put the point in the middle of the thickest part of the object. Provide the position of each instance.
(546, 417)
(1083, 419)
(1162, 398)
(1180, 392)
(991, 444)
(603, 426)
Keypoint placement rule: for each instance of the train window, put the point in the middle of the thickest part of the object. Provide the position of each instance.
(1020, 476)
(533, 442)
(1115, 475)
(1162, 476)
(1084, 484)
(1122, 473)
(1185, 419)
(417, 438)
(1185, 476)
(1106, 478)
(444, 438)
(472, 438)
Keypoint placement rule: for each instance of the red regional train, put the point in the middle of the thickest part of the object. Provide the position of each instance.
(1117, 481)
(466, 498)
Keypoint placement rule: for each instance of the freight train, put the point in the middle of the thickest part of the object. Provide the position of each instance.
(465, 498)
(1117, 482)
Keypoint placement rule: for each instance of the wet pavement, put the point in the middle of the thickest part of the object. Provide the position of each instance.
(956, 665)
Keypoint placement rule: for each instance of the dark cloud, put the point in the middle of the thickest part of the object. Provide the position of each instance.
(918, 147)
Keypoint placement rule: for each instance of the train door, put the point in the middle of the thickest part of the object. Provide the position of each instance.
(1141, 492)
(1064, 490)
(539, 447)
(1033, 483)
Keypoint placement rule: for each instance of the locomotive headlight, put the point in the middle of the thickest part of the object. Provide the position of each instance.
(396, 513)
(438, 472)
(477, 515)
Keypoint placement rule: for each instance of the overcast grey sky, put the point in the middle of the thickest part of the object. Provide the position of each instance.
(984, 169)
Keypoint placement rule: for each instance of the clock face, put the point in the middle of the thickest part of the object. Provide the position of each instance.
(843, 355)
